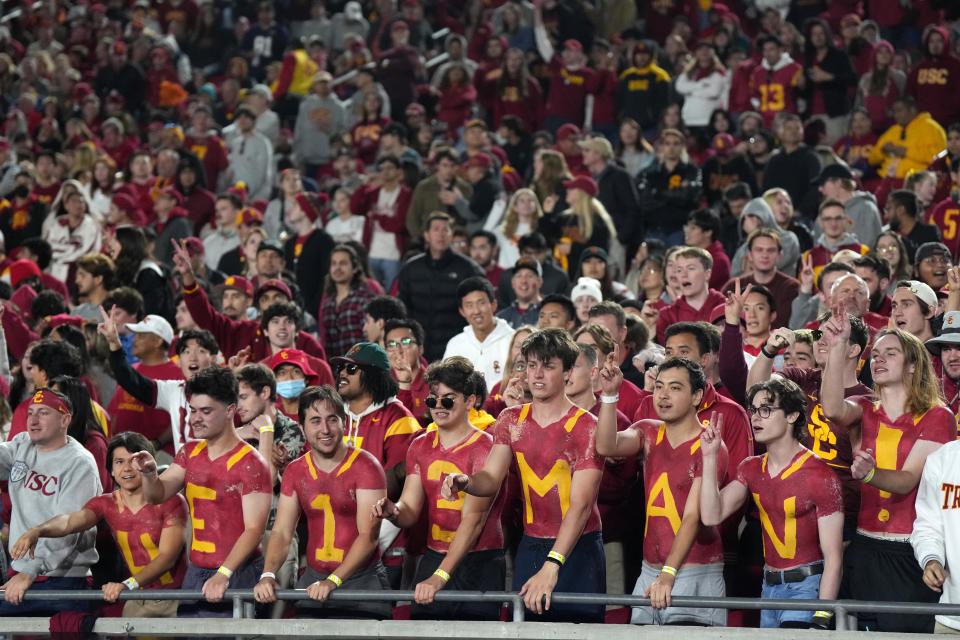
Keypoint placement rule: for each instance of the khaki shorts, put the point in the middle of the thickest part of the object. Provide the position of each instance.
(150, 608)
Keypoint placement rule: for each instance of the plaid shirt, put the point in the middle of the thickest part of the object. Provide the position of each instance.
(341, 325)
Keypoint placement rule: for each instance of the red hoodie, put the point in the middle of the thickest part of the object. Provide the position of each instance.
(933, 81)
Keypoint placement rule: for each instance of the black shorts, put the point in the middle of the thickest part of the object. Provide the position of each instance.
(478, 571)
(886, 571)
(243, 578)
(372, 578)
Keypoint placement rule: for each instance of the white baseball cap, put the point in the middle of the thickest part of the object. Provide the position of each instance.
(924, 292)
(156, 325)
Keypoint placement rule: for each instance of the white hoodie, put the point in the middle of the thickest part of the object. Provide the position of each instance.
(488, 357)
(937, 528)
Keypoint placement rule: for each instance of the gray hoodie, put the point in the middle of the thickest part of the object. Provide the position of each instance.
(788, 240)
(864, 213)
(846, 239)
(43, 485)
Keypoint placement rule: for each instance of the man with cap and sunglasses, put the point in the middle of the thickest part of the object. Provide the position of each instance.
(48, 473)
(379, 423)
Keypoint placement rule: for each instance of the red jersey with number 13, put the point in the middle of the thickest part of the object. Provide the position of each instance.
(546, 458)
(329, 500)
(429, 459)
(138, 533)
(891, 442)
(215, 491)
(668, 474)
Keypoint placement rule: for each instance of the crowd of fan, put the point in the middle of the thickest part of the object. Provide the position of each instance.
(352, 259)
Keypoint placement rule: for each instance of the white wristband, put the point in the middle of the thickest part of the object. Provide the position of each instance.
(131, 583)
(605, 399)
(268, 574)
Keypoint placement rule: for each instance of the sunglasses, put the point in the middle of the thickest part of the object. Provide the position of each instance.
(349, 367)
(446, 402)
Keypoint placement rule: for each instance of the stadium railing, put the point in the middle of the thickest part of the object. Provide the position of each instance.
(845, 611)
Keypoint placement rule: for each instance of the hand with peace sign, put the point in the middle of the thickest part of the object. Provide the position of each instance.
(733, 305)
(108, 329)
(611, 377)
(836, 330)
(181, 262)
(807, 279)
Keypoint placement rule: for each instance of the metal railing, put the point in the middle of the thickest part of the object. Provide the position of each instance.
(243, 602)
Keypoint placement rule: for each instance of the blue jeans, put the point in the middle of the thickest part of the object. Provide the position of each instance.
(583, 572)
(49, 607)
(385, 271)
(808, 589)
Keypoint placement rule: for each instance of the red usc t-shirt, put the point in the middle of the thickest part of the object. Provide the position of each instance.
(668, 474)
(129, 414)
(386, 433)
(429, 459)
(215, 490)
(790, 505)
(138, 533)
(569, 89)
(329, 501)
(546, 458)
(891, 442)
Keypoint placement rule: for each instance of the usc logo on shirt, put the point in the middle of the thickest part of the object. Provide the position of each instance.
(932, 76)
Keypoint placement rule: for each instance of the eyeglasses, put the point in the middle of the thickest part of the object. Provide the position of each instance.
(406, 343)
(349, 367)
(446, 402)
(763, 410)
(519, 367)
(938, 259)
(890, 248)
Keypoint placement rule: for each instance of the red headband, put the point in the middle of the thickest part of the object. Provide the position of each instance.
(51, 399)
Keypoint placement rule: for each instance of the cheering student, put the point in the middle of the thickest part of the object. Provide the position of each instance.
(228, 489)
(552, 443)
(464, 536)
(336, 485)
(149, 536)
(893, 437)
(680, 555)
(797, 496)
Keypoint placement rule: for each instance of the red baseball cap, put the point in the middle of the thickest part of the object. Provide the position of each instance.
(566, 131)
(296, 357)
(481, 161)
(194, 246)
(239, 283)
(585, 183)
(273, 285)
(250, 216)
(171, 192)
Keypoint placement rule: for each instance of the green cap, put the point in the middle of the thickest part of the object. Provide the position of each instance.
(365, 354)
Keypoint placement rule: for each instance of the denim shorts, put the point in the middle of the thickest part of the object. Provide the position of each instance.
(808, 589)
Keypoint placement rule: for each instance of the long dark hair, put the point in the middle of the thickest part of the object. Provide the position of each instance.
(83, 419)
(359, 278)
(133, 250)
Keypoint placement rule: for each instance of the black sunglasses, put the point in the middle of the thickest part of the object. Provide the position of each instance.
(446, 402)
(349, 367)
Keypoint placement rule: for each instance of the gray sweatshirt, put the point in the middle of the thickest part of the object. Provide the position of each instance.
(311, 143)
(47, 484)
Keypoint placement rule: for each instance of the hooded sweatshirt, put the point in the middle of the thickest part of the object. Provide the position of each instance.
(863, 210)
(923, 138)
(775, 87)
(788, 240)
(933, 81)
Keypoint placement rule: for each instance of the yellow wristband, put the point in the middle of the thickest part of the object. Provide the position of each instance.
(443, 575)
(267, 428)
(867, 478)
(335, 579)
(823, 614)
(670, 571)
(225, 571)
(556, 555)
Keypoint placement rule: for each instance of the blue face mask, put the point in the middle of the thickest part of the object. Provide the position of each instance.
(291, 389)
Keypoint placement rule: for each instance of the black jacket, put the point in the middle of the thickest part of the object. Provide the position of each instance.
(429, 289)
(794, 172)
(664, 206)
(311, 267)
(836, 92)
(718, 175)
(618, 194)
